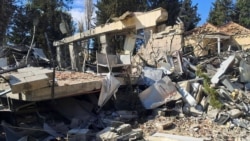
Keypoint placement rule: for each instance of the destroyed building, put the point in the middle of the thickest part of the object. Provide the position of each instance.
(160, 92)
(210, 39)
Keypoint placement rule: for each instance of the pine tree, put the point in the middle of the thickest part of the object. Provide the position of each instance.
(243, 13)
(172, 7)
(6, 10)
(46, 15)
(20, 32)
(107, 9)
(222, 12)
(188, 15)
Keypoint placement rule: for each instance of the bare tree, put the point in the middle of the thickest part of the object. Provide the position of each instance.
(84, 25)
(89, 9)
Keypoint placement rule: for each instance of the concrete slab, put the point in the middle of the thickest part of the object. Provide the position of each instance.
(20, 83)
(63, 91)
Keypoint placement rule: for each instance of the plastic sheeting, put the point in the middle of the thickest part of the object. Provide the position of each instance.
(158, 94)
(38, 53)
(150, 76)
(110, 86)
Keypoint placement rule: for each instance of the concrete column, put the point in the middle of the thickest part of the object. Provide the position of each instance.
(73, 51)
(104, 43)
(129, 44)
(58, 56)
(218, 45)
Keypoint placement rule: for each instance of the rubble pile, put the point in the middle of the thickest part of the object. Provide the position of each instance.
(214, 105)
(64, 77)
(178, 86)
(200, 99)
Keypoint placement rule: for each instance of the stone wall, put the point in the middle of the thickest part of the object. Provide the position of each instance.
(158, 45)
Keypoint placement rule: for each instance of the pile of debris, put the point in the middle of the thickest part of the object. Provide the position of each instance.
(35, 83)
(182, 99)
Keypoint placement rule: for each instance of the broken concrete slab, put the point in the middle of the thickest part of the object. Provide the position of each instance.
(241, 123)
(186, 95)
(235, 113)
(244, 71)
(150, 76)
(158, 94)
(66, 90)
(226, 82)
(223, 67)
(164, 126)
(123, 129)
(106, 134)
(110, 86)
(177, 137)
(78, 134)
(28, 83)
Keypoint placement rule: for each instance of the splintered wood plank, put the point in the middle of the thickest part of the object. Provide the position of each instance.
(63, 91)
(28, 83)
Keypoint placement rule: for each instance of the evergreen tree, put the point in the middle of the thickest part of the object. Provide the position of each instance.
(222, 12)
(6, 10)
(243, 13)
(172, 7)
(46, 16)
(188, 15)
(20, 32)
(107, 9)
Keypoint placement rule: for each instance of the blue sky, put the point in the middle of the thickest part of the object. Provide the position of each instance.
(203, 9)
(204, 6)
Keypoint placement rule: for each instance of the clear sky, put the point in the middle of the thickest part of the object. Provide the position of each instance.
(203, 9)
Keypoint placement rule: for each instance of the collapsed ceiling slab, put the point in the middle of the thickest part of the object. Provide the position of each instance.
(127, 21)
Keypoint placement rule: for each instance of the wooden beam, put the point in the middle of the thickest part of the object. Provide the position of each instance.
(137, 21)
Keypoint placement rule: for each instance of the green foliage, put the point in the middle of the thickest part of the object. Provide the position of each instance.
(7, 8)
(46, 15)
(222, 12)
(108, 9)
(20, 27)
(188, 15)
(213, 95)
(172, 7)
(243, 13)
